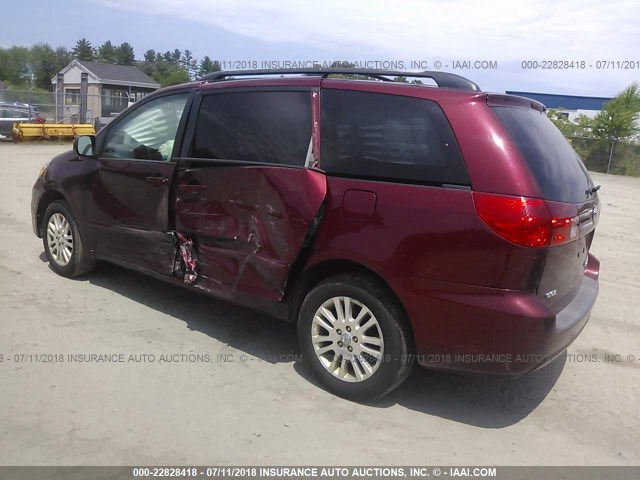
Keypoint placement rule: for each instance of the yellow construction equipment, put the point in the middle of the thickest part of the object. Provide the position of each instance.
(51, 131)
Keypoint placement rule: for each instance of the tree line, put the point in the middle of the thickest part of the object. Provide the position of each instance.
(35, 66)
(27, 67)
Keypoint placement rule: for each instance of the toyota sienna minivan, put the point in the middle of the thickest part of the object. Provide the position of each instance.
(394, 223)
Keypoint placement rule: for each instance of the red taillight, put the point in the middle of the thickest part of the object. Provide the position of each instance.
(529, 222)
(563, 230)
(523, 221)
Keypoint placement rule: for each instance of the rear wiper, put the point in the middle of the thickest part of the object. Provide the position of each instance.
(592, 190)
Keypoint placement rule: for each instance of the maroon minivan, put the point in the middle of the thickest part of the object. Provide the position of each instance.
(395, 223)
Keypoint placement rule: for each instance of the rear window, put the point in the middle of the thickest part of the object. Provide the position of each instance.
(561, 175)
(380, 136)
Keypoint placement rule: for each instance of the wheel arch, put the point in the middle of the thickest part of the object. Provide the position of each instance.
(323, 270)
(48, 197)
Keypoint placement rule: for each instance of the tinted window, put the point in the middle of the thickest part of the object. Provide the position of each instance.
(269, 127)
(388, 136)
(560, 173)
(147, 133)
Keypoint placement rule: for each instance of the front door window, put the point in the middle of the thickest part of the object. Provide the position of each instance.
(149, 132)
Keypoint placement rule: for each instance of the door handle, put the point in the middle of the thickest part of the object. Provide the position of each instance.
(191, 189)
(157, 180)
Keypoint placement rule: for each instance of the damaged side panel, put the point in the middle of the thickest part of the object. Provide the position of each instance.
(240, 228)
(185, 261)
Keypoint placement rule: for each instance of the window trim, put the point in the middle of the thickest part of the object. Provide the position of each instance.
(101, 137)
(187, 162)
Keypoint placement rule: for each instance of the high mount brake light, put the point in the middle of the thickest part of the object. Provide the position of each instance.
(524, 221)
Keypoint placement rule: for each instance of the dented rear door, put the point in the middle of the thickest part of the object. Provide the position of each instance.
(247, 197)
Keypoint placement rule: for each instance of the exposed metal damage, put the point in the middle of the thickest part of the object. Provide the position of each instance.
(186, 261)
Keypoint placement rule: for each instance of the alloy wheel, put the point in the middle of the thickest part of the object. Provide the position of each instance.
(347, 339)
(60, 239)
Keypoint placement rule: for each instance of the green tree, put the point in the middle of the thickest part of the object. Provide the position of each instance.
(148, 63)
(405, 79)
(618, 119)
(615, 125)
(582, 126)
(189, 64)
(208, 66)
(107, 53)
(44, 65)
(125, 55)
(83, 50)
(63, 58)
(345, 64)
(150, 55)
(167, 74)
(562, 122)
(174, 76)
(166, 57)
(603, 143)
(15, 66)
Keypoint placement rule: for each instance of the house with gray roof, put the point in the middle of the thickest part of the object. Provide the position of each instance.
(110, 88)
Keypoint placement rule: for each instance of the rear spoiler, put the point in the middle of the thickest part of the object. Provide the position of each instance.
(503, 100)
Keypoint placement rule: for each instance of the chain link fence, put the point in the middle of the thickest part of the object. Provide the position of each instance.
(66, 107)
(608, 156)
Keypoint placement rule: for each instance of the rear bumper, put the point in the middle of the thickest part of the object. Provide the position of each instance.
(485, 330)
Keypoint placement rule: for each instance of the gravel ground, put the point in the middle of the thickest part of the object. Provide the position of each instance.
(252, 403)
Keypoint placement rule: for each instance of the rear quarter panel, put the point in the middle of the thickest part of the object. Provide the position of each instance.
(449, 271)
(419, 231)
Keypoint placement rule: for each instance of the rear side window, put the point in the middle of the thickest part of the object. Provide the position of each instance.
(555, 165)
(379, 136)
(266, 127)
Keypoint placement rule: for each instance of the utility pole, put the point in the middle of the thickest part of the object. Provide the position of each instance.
(29, 98)
(613, 142)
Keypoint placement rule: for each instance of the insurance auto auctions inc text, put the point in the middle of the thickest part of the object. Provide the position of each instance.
(418, 65)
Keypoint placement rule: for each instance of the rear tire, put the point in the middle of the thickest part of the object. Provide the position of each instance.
(63, 243)
(354, 337)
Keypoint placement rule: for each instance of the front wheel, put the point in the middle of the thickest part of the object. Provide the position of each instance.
(63, 244)
(354, 337)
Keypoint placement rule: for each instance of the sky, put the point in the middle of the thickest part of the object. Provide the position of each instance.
(590, 34)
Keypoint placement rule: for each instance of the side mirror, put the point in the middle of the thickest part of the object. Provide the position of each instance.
(85, 145)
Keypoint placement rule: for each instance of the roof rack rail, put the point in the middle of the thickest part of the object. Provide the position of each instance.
(442, 79)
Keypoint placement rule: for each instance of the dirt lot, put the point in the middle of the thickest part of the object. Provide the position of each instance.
(261, 407)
